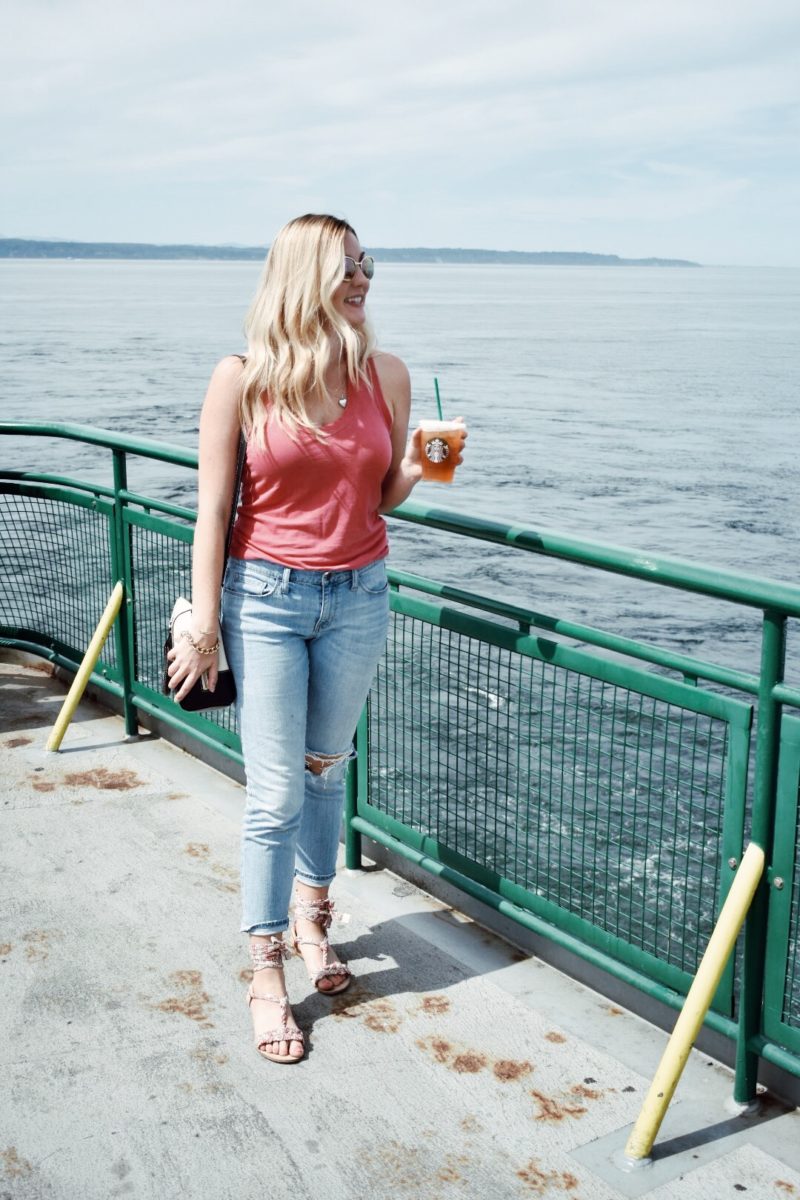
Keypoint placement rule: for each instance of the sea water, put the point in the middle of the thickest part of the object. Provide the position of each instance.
(654, 408)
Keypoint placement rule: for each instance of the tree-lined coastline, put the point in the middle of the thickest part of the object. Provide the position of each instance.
(31, 248)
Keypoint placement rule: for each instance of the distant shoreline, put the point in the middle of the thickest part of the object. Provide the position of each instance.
(32, 249)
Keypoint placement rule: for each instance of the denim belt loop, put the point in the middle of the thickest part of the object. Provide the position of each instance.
(287, 574)
(354, 579)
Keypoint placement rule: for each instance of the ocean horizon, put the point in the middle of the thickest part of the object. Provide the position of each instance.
(648, 408)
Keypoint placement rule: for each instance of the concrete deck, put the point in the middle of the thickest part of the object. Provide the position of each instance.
(456, 1066)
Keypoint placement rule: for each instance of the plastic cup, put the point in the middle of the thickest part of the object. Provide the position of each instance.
(441, 441)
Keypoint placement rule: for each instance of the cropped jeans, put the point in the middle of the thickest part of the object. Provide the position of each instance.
(303, 647)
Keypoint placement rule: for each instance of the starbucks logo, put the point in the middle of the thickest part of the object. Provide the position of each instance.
(437, 450)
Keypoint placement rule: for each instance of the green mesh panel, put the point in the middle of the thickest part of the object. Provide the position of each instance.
(55, 576)
(162, 568)
(605, 802)
(791, 997)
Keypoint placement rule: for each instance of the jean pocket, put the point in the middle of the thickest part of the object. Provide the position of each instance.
(372, 578)
(245, 577)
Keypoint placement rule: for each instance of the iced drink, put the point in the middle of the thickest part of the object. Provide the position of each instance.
(441, 442)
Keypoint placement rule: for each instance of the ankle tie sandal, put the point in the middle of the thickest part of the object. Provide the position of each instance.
(273, 954)
(320, 912)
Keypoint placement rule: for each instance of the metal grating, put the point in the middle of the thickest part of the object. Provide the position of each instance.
(791, 996)
(162, 571)
(56, 577)
(600, 800)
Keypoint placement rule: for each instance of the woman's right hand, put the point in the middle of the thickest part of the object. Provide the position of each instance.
(186, 665)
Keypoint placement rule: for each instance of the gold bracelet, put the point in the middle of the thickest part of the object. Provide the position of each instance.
(200, 649)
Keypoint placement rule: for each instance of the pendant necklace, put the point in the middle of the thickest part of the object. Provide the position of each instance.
(341, 399)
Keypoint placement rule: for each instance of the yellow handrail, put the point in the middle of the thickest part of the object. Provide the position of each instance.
(696, 1005)
(91, 656)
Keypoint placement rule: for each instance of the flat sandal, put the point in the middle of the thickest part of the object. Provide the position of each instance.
(281, 1033)
(321, 912)
(272, 955)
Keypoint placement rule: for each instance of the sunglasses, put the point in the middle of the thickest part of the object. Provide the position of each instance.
(366, 263)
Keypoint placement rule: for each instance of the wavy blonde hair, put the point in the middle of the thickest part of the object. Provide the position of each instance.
(292, 327)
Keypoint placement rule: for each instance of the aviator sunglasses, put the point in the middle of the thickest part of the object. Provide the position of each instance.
(366, 262)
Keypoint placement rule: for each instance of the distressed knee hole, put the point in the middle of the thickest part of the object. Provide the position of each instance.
(324, 764)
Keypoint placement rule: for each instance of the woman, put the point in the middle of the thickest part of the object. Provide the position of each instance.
(305, 596)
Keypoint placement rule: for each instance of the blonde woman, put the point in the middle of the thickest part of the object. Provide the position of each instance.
(305, 596)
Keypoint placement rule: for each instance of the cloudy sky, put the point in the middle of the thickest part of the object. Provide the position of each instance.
(636, 127)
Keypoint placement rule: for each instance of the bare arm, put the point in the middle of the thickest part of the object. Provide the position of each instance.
(219, 437)
(406, 466)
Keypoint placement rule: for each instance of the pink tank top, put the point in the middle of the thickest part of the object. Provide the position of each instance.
(313, 504)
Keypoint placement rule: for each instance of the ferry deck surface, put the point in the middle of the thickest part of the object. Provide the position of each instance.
(457, 1065)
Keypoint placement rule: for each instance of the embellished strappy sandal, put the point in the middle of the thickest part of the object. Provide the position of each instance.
(321, 912)
(272, 955)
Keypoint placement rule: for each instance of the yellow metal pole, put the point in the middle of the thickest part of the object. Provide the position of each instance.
(696, 1005)
(85, 669)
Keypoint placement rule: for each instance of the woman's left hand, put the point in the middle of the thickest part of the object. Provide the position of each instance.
(187, 665)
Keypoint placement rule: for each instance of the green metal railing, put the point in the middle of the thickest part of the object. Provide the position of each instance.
(598, 794)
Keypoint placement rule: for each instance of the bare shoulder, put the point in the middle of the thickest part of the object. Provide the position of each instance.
(392, 371)
(221, 405)
(229, 370)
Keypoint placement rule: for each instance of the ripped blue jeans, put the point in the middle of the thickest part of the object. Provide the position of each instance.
(303, 647)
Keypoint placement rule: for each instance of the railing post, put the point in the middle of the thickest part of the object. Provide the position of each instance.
(773, 656)
(125, 637)
(356, 781)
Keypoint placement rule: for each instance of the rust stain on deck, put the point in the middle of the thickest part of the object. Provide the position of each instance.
(586, 1093)
(209, 1054)
(397, 1167)
(192, 1001)
(38, 944)
(383, 1017)
(470, 1063)
(506, 1070)
(14, 1166)
(551, 1109)
(435, 1006)
(43, 785)
(122, 780)
(613, 1011)
(540, 1181)
(5, 949)
(557, 1039)
(451, 1171)
(466, 1061)
(197, 850)
(437, 1047)
(228, 880)
(785, 1186)
(13, 742)
(377, 1012)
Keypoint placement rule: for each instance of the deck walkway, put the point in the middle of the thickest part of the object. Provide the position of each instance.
(455, 1067)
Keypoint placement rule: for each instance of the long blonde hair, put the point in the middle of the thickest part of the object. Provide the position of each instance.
(292, 325)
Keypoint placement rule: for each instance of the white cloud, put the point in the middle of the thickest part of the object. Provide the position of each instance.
(219, 118)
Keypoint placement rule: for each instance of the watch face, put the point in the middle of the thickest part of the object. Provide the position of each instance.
(437, 450)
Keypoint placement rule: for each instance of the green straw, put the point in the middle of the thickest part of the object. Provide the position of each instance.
(438, 401)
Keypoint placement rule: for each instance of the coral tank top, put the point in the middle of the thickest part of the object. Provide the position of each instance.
(311, 503)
